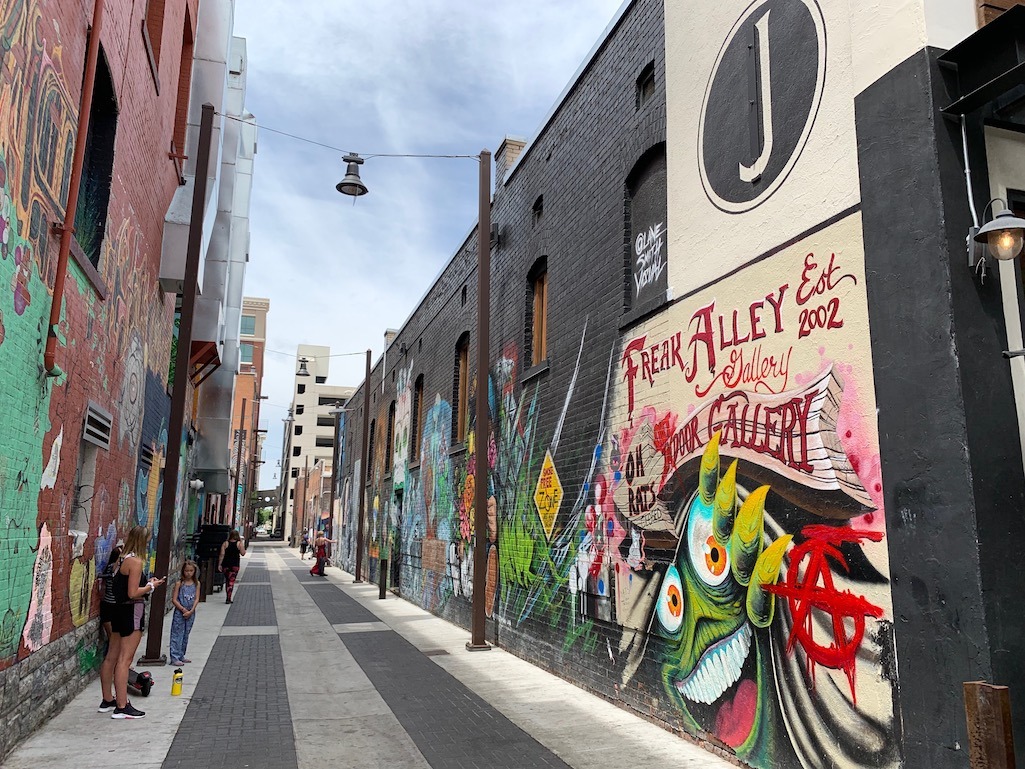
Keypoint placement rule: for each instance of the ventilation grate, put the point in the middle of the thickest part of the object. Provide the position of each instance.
(146, 456)
(99, 425)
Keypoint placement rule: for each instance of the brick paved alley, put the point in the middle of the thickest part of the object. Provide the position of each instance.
(303, 671)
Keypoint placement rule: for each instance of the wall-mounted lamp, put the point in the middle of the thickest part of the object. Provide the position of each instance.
(196, 484)
(1004, 235)
(303, 371)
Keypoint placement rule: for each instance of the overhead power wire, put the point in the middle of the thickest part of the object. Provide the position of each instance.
(339, 149)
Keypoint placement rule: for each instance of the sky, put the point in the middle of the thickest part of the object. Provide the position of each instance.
(381, 76)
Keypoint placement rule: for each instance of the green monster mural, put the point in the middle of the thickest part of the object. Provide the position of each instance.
(712, 600)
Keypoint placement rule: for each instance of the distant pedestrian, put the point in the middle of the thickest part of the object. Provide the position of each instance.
(131, 588)
(320, 552)
(108, 610)
(231, 560)
(185, 598)
(304, 545)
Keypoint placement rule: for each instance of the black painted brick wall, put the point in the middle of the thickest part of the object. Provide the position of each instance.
(579, 163)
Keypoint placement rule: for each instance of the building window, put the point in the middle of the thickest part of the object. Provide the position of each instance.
(97, 171)
(291, 492)
(181, 108)
(301, 389)
(389, 440)
(370, 447)
(298, 429)
(246, 352)
(461, 389)
(646, 272)
(320, 379)
(325, 422)
(328, 400)
(248, 325)
(462, 297)
(416, 414)
(324, 442)
(295, 472)
(537, 309)
(299, 408)
(646, 84)
(296, 451)
(538, 211)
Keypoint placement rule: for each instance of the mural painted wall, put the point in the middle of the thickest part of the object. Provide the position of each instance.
(686, 509)
(742, 513)
(63, 502)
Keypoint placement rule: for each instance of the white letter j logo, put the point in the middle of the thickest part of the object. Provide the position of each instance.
(761, 102)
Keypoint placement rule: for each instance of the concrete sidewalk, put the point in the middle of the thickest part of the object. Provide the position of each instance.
(308, 672)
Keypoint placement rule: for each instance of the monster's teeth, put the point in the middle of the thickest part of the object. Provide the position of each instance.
(703, 687)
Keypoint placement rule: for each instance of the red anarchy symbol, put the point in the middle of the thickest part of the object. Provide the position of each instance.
(814, 590)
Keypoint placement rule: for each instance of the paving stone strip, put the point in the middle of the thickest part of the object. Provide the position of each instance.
(251, 605)
(448, 723)
(239, 714)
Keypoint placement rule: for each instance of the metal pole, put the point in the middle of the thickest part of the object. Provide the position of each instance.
(236, 502)
(67, 229)
(482, 431)
(286, 462)
(176, 423)
(364, 468)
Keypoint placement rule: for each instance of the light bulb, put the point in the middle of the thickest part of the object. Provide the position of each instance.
(1005, 244)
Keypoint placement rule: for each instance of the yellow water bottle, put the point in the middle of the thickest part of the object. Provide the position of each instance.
(176, 683)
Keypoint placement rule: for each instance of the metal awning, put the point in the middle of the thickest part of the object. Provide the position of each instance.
(203, 360)
(987, 64)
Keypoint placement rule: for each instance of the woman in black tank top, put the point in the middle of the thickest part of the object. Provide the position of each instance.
(131, 588)
(231, 559)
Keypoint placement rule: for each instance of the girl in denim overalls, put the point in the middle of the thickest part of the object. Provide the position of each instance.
(185, 598)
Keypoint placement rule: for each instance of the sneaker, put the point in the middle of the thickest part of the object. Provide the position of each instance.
(228, 600)
(127, 712)
(106, 706)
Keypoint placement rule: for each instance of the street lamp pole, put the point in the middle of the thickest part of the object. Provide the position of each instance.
(482, 432)
(353, 186)
(176, 423)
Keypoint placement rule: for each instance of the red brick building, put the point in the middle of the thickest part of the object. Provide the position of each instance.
(84, 432)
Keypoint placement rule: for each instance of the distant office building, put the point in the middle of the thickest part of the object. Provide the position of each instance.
(245, 438)
(310, 434)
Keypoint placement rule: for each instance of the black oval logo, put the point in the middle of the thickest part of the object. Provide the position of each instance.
(761, 101)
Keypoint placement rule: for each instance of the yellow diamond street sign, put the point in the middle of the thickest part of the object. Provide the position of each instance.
(548, 494)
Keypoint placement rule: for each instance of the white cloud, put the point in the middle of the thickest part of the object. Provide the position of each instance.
(391, 76)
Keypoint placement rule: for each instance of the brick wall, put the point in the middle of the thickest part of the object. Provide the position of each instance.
(114, 335)
(420, 514)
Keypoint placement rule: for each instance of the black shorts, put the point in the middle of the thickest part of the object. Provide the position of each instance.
(108, 611)
(129, 618)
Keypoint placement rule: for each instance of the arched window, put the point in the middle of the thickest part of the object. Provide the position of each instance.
(461, 389)
(647, 261)
(370, 447)
(97, 170)
(536, 341)
(389, 440)
(415, 415)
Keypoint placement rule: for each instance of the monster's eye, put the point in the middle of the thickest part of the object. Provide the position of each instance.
(715, 556)
(670, 601)
(710, 560)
